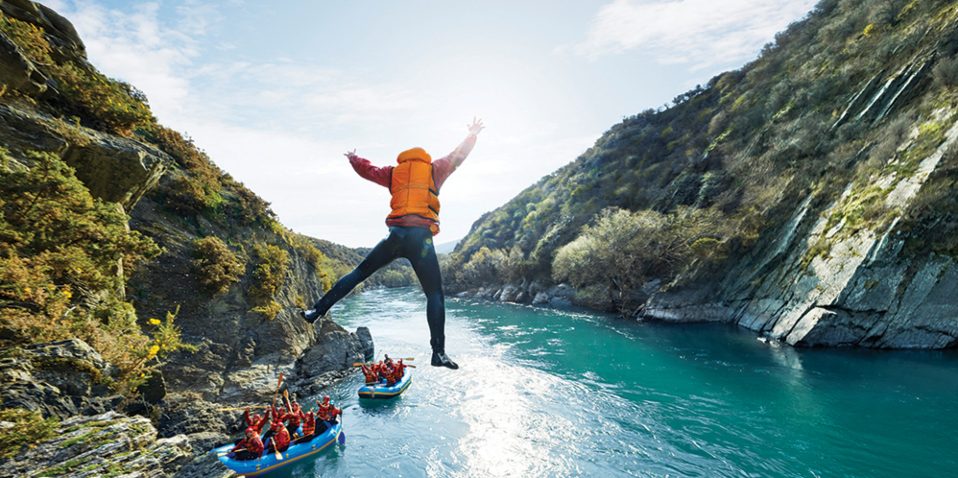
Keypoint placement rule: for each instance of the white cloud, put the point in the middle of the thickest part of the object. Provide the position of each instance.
(134, 48)
(280, 124)
(700, 32)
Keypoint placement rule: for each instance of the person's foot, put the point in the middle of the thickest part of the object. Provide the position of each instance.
(440, 359)
(310, 315)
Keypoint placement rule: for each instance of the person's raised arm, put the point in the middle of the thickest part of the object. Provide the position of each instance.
(366, 170)
(459, 155)
(449, 163)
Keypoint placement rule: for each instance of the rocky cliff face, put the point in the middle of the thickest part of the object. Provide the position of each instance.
(863, 291)
(59, 379)
(100, 445)
(241, 350)
(116, 169)
(70, 381)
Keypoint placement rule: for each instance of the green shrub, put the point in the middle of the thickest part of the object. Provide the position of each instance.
(269, 272)
(269, 309)
(481, 270)
(215, 264)
(622, 250)
(200, 187)
(309, 252)
(397, 278)
(29, 428)
(166, 336)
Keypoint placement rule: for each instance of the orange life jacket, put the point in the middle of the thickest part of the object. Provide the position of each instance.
(413, 188)
(309, 424)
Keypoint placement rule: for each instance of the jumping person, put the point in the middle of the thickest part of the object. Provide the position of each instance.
(414, 184)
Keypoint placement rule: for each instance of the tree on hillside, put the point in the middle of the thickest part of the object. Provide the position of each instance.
(622, 250)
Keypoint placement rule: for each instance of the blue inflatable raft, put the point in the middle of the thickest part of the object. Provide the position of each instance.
(381, 390)
(268, 461)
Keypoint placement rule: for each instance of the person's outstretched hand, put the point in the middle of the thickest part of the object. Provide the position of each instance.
(476, 126)
(350, 154)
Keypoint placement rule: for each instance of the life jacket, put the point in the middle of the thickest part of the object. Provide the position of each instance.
(257, 422)
(279, 414)
(370, 375)
(294, 420)
(280, 436)
(413, 188)
(309, 424)
(241, 445)
(254, 445)
(325, 412)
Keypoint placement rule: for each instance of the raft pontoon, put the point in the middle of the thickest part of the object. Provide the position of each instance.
(381, 390)
(268, 462)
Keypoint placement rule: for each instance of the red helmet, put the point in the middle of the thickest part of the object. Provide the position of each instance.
(326, 398)
(275, 425)
(256, 418)
(250, 431)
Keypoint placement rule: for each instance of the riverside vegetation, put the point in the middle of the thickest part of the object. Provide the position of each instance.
(762, 178)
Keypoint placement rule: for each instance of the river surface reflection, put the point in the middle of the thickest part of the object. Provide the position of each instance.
(543, 393)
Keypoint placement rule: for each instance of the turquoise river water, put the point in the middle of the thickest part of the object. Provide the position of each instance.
(545, 393)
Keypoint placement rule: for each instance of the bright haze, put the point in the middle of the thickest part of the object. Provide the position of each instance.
(276, 91)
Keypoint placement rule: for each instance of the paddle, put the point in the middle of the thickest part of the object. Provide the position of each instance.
(279, 456)
(278, 382)
(342, 434)
(242, 408)
(228, 452)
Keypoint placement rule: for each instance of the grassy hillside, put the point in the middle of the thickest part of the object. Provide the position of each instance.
(682, 192)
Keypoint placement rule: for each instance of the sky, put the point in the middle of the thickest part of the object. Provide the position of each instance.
(276, 92)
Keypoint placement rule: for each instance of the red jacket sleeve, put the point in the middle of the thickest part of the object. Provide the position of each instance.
(381, 176)
(444, 166)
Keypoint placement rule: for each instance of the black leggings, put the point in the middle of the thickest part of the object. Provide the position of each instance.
(415, 244)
